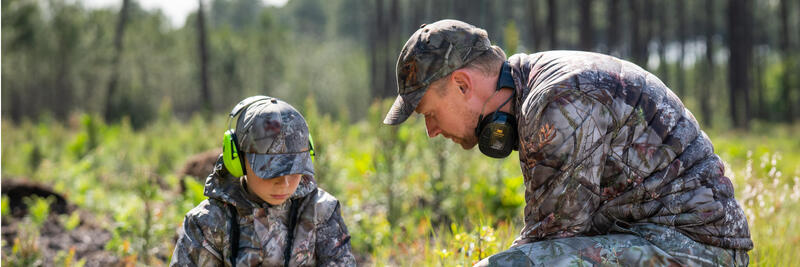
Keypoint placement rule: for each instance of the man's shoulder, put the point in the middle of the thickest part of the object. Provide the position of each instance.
(549, 65)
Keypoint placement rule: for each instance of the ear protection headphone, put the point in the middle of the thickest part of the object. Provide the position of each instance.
(497, 132)
(232, 156)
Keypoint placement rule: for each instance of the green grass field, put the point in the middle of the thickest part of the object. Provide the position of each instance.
(406, 200)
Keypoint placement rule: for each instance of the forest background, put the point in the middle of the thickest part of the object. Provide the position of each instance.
(109, 116)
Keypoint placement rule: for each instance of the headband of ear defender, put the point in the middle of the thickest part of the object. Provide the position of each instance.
(232, 156)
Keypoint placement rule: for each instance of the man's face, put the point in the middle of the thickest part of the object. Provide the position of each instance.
(447, 112)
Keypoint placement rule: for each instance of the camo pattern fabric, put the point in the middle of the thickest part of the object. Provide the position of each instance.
(274, 135)
(647, 245)
(433, 51)
(320, 237)
(604, 144)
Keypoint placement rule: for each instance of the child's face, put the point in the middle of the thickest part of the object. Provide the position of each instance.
(274, 191)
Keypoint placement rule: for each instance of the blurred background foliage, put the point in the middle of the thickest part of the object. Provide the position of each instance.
(105, 105)
(731, 61)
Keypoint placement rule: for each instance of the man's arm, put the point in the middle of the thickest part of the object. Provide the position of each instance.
(565, 150)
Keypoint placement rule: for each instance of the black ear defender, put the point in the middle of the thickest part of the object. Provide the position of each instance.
(497, 131)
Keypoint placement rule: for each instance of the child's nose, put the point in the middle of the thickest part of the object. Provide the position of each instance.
(283, 180)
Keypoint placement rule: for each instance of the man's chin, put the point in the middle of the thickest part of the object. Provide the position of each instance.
(466, 145)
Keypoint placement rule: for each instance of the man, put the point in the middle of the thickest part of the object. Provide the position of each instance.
(616, 170)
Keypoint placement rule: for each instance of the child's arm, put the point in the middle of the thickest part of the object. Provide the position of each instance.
(193, 248)
(333, 242)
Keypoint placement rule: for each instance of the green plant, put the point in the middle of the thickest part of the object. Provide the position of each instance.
(38, 209)
(70, 221)
(67, 259)
(5, 208)
(24, 251)
(448, 206)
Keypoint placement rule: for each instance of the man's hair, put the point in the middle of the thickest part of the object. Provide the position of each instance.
(488, 63)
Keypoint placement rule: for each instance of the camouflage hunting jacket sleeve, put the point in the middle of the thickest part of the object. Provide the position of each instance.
(604, 145)
(200, 245)
(333, 242)
(563, 145)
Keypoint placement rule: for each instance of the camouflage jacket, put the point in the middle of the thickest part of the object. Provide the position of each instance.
(604, 145)
(320, 238)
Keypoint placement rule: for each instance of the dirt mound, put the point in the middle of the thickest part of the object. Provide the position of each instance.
(87, 239)
(18, 189)
(199, 166)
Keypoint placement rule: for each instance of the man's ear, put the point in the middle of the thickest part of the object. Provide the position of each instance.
(464, 82)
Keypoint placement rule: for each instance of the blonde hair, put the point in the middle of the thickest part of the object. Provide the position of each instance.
(489, 62)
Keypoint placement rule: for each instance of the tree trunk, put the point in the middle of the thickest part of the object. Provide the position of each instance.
(663, 38)
(552, 23)
(705, 91)
(492, 22)
(612, 29)
(205, 90)
(378, 48)
(586, 31)
(680, 73)
(372, 42)
(63, 92)
(115, 61)
(758, 85)
(390, 75)
(417, 8)
(535, 39)
(786, 61)
(636, 38)
(739, 63)
(650, 27)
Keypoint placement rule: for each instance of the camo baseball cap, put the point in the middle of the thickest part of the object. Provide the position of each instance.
(434, 51)
(274, 137)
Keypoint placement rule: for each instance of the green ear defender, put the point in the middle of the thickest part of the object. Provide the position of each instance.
(233, 161)
(311, 147)
(232, 157)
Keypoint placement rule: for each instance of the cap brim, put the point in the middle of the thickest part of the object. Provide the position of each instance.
(269, 166)
(403, 107)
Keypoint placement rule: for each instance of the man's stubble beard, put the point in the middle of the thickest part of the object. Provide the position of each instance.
(470, 140)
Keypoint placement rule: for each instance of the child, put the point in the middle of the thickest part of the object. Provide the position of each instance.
(264, 207)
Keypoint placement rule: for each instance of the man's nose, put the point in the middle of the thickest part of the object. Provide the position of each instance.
(432, 129)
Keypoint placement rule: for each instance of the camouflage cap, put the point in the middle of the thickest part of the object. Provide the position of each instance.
(274, 137)
(433, 52)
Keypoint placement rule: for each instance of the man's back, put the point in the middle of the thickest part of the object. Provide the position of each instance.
(605, 145)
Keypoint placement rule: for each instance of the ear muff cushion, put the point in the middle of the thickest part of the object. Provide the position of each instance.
(311, 147)
(488, 138)
(230, 155)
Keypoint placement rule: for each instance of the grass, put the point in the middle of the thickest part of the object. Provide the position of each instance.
(406, 200)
